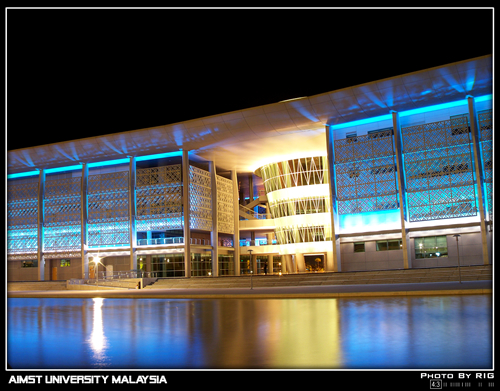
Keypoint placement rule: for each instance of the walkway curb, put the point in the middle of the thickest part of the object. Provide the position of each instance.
(168, 294)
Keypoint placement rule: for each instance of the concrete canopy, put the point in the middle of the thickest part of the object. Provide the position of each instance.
(244, 139)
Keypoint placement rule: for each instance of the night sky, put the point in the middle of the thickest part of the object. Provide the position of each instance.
(79, 73)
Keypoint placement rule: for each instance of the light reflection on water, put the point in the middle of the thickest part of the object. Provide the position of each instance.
(400, 332)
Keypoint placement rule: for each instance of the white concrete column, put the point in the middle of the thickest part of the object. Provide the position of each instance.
(132, 213)
(283, 264)
(40, 220)
(270, 264)
(214, 234)
(329, 261)
(290, 267)
(479, 175)
(236, 236)
(83, 218)
(301, 262)
(334, 264)
(186, 213)
(398, 144)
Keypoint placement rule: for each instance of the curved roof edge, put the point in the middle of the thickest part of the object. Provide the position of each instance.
(440, 84)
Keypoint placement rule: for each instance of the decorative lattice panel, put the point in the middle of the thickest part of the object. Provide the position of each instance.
(225, 208)
(486, 135)
(62, 217)
(108, 209)
(439, 170)
(159, 198)
(22, 221)
(200, 199)
(365, 172)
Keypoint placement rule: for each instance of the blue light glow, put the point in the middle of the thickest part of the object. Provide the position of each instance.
(433, 108)
(362, 121)
(484, 98)
(410, 112)
(159, 156)
(61, 169)
(22, 174)
(370, 221)
(96, 164)
(109, 162)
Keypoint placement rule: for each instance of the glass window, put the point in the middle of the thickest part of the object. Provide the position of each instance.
(431, 247)
(168, 265)
(201, 264)
(394, 244)
(391, 244)
(226, 265)
(33, 263)
(359, 247)
(381, 245)
(65, 262)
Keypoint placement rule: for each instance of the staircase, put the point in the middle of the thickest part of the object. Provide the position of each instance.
(403, 276)
(36, 286)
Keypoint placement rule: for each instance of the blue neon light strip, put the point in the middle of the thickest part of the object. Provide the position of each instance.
(66, 168)
(410, 112)
(108, 162)
(384, 117)
(96, 164)
(158, 156)
(22, 174)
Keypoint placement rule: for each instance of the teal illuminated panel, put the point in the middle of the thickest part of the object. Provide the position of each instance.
(370, 221)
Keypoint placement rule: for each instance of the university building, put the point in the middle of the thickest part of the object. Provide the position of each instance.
(377, 176)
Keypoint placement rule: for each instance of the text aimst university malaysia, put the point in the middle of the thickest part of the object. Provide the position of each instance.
(377, 176)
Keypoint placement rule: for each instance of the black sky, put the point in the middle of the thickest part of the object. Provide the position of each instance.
(79, 73)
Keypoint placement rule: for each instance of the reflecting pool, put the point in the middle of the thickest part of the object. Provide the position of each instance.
(453, 332)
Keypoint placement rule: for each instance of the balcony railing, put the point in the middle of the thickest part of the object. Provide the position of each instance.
(257, 242)
(250, 214)
(167, 241)
(180, 240)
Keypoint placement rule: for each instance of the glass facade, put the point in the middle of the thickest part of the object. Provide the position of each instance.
(431, 247)
(226, 265)
(168, 265)
(201, 264)
(391, 244)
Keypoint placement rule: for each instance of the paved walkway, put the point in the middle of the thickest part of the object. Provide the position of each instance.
(323, 291)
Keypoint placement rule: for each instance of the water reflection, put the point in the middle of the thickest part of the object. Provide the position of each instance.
(402, 332)
(97, 339)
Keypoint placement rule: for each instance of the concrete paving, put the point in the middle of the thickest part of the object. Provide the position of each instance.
(321, 291)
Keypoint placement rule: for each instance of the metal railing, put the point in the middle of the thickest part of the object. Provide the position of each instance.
(252, 213)
(103, 276)
(167, 241)
(257, 242)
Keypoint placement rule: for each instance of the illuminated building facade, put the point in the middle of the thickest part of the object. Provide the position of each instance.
(371, 177)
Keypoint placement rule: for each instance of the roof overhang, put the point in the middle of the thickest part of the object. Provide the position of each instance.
(241, 139)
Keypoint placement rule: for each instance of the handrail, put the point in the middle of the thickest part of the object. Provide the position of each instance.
(95, 278)
(260, 216)
(176, 240)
